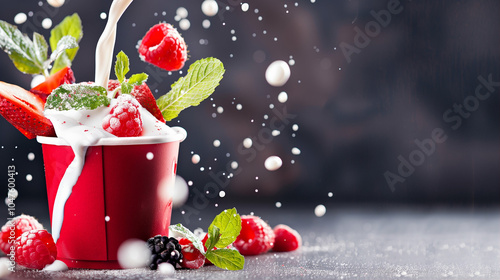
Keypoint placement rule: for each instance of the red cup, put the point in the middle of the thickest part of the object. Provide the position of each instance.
(119, 195)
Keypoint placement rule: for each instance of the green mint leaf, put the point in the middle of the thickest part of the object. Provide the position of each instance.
(229, 223)
(213, 238)
(122, 66)
(138, 79)
(229, 259)
(126, 88)
(66, 43)
(77, 97)
(21, 49)
(40, 46)
(71, 25)
(200, 82)
(189, 235)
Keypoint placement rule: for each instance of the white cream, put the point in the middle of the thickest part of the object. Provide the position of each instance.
(106, 43)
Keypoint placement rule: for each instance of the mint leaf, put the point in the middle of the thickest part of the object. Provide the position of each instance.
(122, 66)
(138, 79)
(213, 238)
(66, 43)
(179, 228)
(229, 223)
(203, 77)
(77, 97)
(71, 25)
(40, 46)
(229, 259)
(21, 49)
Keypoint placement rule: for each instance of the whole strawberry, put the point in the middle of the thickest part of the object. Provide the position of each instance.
(35, 249)
(17, 226)
(164, 47)
(256, 236)
(124, 119)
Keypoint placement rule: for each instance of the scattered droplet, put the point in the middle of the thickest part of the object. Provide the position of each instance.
(150, 155)
(295, 127)
(133, 253)
(330, 194)
(244, 7)
(56, 3)
(239, 107)
(275, 132)
(20, 18)
(220, 110)
(103, 15)
(107, 218)
(234, 165)
(278, 73)
(29, 177)
(166, 269)
(296, 151)
(247, 143)
(320, 210)
(179, 192)
(195, 159)
(205, 23)
(31, 156)
(278, 204)
(209, 8)
(184, 24)
(216, 143)
(273, 163)
(222, 193)
(282, 97)
(182, 12)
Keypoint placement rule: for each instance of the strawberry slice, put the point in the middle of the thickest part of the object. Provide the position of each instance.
(63, 76)
(24, 110)
(145, 97)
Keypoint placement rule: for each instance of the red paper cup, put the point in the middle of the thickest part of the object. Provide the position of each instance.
(119, 195)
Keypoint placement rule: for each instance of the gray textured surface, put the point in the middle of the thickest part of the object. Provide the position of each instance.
(367, 243)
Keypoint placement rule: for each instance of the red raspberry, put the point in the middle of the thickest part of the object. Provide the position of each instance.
(144, 96)
(191, 257)
(287, 239)
(22, 224)
(35, 249)
(124, 119)
(164, 47)
(256, 236)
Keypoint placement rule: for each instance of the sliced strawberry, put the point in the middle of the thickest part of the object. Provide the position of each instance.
(191, 257)
(63, 76)
(24, 110)
(145, 97)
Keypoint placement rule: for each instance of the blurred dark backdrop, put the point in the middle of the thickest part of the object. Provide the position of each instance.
(355, 119)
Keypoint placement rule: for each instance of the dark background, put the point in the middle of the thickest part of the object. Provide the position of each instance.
(354, 119)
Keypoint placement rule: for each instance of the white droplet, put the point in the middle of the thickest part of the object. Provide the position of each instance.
(182, 12)
(291, 62)
(275, 132)
(220, 110)
(103, 15)
(37, 79)
(205, 23)
(234, 165)
(278, 204)
(244, 7)
(296, 151)
(234, 38)
(107, 218)
(56, 3)
(184, 24)
(278, 73)
(133, 253)
(166, 269)
(239, 107)
(247, 143)
(57, 265)
(320, 210)
(31, 156)
(29, 177)
(209, 8)
(295, 127)
(330, 194)
(273, 163)
(179, 192)
(195, 159)
(20, 18)
(150, 156)
(13, 193)
(4, 267)
(222, 193)
(216, 143)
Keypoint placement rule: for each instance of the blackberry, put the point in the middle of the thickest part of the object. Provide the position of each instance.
(164, 249)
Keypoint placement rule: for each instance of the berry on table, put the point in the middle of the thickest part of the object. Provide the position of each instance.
(35, 249)
(22, 224)
(256, 236)
(286, 239)
(192, 257)
(164, 250)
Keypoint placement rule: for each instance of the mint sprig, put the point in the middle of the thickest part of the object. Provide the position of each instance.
(200, 82)
(77, 97)
(222, 232)
(122, 67)
(70, 26)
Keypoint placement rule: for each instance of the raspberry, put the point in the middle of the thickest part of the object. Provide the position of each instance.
(287, 239)
(22, 224)
(35, 249)
(164, 249)
(192, 257)
(256, 236)
(164, 47)
(124, 119)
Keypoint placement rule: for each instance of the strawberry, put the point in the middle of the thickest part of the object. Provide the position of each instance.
(164, 47)
(63, 76)
(191, 257)
(145, 97)
(287, 239)
(24, 110)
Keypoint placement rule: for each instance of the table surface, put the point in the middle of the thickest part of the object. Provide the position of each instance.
(366, 242)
